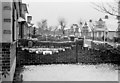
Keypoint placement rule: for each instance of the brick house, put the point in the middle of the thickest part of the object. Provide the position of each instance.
(10, 29)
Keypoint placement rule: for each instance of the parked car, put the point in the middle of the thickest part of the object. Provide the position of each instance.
(47, 52)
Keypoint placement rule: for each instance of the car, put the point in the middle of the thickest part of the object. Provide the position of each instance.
(47, 52)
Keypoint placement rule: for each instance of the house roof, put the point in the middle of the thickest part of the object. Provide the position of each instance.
(100, 19)
(86, 26)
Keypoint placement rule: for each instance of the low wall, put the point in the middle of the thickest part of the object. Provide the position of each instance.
(107, 52)
(24, 43)
(26, 58)
(98, 53)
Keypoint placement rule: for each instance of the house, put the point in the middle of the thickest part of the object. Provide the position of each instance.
(111, 25)
(76, 30)
(30, 28)
(85, 32)
(10, 31)
(25, 25)
(100, 29)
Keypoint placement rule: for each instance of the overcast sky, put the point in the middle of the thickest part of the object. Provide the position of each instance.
(71, 10)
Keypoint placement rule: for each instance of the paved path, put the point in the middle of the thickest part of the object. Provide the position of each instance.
(87, 41)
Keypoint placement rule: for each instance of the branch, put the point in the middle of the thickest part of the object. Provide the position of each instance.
(108, 11)
(112, 8)
(103, 9)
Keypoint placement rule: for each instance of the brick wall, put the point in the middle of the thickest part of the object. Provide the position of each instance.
(0, 62)
(6, 56)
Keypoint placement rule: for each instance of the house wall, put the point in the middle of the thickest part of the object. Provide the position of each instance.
(0, 22)
(0, 42)
(8, 46)
(7, 22)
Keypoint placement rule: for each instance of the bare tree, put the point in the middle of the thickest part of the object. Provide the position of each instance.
(50, 28)
(72, 29)
(56, 27)
(109, 8)
(39, 24)
(62, 23)
(42, 25)
(40, 30)
(80, 24)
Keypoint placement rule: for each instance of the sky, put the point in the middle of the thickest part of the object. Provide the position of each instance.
(71, 10)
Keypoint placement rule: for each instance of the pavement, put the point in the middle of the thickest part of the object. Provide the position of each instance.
(77, 72)
(87, 41)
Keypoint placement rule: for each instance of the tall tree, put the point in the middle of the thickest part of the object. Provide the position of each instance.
(62, 23)
(42, 25)
(80, 24)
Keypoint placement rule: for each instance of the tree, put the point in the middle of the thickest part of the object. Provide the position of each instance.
(80, 24)
(72, 29)
(56, 27)
(62, 23)
(42, 25)
(50, 28)
(109, 8)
